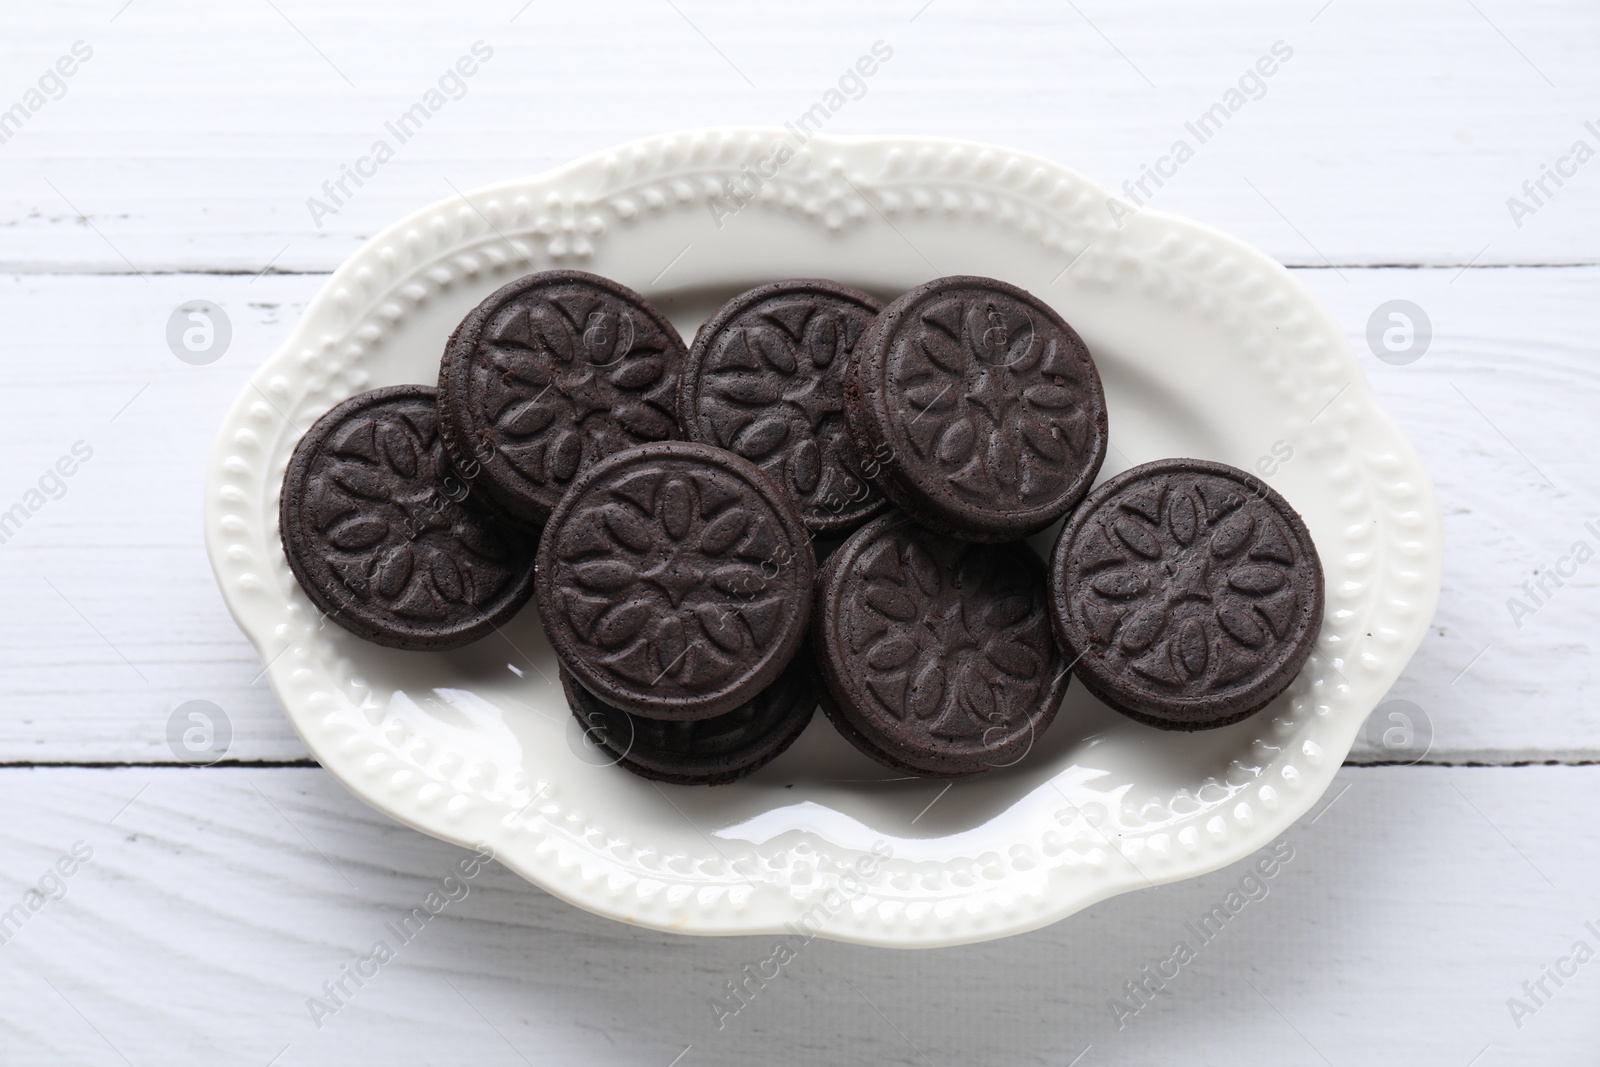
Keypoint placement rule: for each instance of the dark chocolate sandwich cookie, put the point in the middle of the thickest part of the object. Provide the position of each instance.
(1189, 592)
(980, 408)
(549, 374)
(674, 580)
(936, 653)
(765, 378)
(376, 534)
(867, 748)
(706, 751)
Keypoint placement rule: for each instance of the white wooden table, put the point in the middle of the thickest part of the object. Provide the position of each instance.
(175, 163)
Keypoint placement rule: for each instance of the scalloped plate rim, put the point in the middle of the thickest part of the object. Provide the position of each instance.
(1294, 803)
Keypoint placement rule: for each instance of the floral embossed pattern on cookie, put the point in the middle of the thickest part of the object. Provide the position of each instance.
(1191, 590)
(937, 652)
(549, 374)
(985, 403)
(765, 378)
(674, 580)
(375, 538)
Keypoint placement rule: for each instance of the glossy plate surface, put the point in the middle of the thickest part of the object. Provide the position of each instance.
(1206, 348)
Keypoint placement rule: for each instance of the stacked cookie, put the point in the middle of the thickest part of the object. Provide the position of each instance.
(667, 505)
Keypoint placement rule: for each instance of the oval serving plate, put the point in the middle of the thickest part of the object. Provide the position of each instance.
(1207, 348)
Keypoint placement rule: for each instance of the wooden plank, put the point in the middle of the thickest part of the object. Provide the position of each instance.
(1501, 407)
(1388, 135)
(123, 551)
(219, 901)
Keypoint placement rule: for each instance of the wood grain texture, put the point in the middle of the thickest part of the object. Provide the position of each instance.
(194, 136)
(219, 901)
(116, 567)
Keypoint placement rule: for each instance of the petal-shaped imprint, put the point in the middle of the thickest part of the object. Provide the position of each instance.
(635, 373)
(1141, 631)
(394, 571)
(527, 418)
(621, 624)
(925, 696)
(1228, 538)
(935, 395)
(359, 480)
(1008, 611)
(604, 575)
(942, 352)
(1257, 581)
(675, 508)
(1049, 397)
(890, 689)
(890, 601)
(805, 466)
(671, 645)
(824, 343)
(739, 579)
(975, 694)
(360, 532)
(1119, 584)
(1003, 462)
(446, 576)
(747, 389)
(721, 532)
(1013, 657)
(643, 419)
(1241, 624)
(564, 455)
(924, 571)
(628, 528)
(761, 437)
(721, 625)
(1190, 648)
(891, 652)
(774, 349)
(1182, 518)
(522, 367)
(1042, 438)
(398, 450)
(1139, 537)
(956, 442)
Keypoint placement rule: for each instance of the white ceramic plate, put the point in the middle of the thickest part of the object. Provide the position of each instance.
(1207, 348)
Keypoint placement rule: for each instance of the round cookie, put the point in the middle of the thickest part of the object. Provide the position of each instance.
(765, 378)
(936, 653)
(979, 407)
(375, 532)
(547, 375)
(1189, 593)
(867, 748)
(705, 751)
(674, 580)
